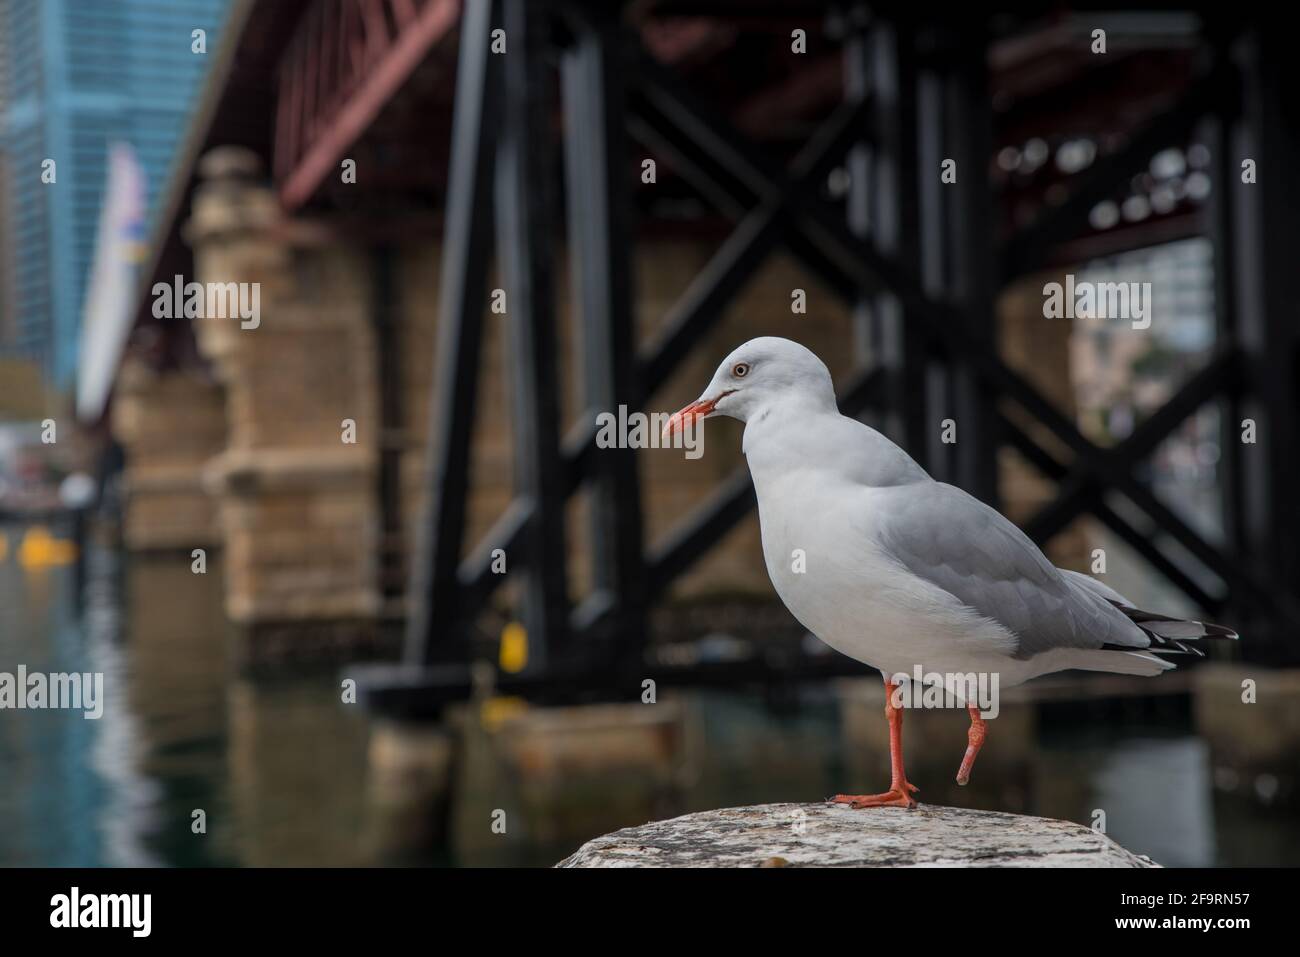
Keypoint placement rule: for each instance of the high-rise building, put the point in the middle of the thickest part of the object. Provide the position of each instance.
(6, 281)
(76, 75)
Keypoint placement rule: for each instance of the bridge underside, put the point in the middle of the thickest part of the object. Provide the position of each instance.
(829, 158)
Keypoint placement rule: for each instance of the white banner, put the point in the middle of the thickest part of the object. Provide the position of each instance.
(107, 316)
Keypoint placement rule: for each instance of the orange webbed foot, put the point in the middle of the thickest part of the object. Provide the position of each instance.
(894, 797)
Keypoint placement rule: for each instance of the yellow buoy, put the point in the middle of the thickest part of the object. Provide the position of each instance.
(513, 657)
(40, 549)
(4, 546)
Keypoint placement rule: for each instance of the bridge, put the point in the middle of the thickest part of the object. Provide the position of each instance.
(397, 168)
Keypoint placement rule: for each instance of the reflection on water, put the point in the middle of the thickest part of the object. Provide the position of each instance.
(275, 767)
(278, 767)
(1164, 769)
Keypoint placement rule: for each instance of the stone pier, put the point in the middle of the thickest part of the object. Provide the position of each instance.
(296, 480)
(831, 835)
(170, 425)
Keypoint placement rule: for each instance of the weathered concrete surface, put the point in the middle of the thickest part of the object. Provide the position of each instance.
(824, 835)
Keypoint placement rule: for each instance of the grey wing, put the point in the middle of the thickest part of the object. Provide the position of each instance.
(956, 542)
(1091, 584)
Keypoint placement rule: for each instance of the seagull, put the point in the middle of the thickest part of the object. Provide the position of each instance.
(903, 573)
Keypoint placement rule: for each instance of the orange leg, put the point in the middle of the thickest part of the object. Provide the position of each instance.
(974, 741)
(900, 789)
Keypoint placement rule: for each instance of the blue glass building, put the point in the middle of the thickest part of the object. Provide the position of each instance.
(76, 75)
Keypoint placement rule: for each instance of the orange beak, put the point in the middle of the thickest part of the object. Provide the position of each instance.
(696, 410)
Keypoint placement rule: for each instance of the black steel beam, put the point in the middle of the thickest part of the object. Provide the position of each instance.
(593, 75)
(1140, 542)
(435, 629)
(1144, 543)
(525, 209)
(884, 203)
(479, 573)
(410, 694)
(1084, 495)
(1253, 584)
(716, 187)
(1081, 491)
(705, 299)
(959, 83)
(855, 258)
(1031, 246)
(735, 262)
(1219, 376)
(701, 529)
(945, 325)
(783, 205)
(1217, 133)
(865, 391)
(1074, 496)
(729, 268)
(1078, 487)
(1266, 234)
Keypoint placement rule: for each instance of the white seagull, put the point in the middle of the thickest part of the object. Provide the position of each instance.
(900, 571)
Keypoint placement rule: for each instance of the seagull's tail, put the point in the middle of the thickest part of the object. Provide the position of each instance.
(1117, 662)
(1168, 635)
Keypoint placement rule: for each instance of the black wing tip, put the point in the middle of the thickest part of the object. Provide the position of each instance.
(1141, 618)
(1218, 631)
(1159, 646)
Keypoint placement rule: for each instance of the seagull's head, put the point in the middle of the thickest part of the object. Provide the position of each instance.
(763, 375)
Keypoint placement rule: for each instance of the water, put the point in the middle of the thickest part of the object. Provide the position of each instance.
(278, 767)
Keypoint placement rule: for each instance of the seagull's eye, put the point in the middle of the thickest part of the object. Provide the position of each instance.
(740, 370)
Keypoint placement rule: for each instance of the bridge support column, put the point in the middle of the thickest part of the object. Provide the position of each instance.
(297, 478)
(170, 424)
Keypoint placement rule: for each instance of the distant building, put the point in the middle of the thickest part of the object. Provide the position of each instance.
(73, 77)
(6, 282)
(1121, 373)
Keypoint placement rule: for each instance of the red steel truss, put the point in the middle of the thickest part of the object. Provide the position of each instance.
(346, 60)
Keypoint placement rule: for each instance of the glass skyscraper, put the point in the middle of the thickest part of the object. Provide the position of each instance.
(76, 75)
